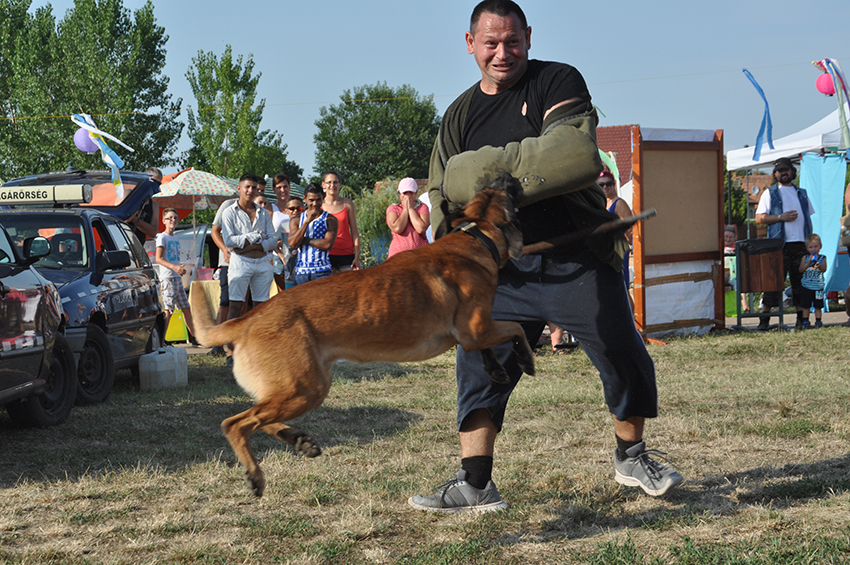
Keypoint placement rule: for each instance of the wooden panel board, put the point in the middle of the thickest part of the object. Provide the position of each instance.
(683, 186)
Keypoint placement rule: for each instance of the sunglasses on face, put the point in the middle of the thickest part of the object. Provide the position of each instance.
(606, 184)
(294, 208)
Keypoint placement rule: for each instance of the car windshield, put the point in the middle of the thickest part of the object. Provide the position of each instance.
(68, 241)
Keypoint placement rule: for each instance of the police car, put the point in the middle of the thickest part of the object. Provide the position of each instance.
(110, 302)
(38, 379)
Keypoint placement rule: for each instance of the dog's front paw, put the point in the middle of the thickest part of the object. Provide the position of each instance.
(524, 356)
(307, 447)
(257, 483)
(527, 365)
(499, 375)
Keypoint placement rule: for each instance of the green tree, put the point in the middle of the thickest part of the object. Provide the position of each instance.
(100, 59)
(271, 159)
(225, 127)
(738, 203)
(376, 132)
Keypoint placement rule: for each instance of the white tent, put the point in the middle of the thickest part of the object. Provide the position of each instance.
(823, 177)
(824, 134)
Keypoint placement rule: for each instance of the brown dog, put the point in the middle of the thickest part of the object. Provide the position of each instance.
(412, 307)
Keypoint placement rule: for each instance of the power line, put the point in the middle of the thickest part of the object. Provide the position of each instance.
(358, 100)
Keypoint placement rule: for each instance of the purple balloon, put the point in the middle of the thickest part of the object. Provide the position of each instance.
(85, 143)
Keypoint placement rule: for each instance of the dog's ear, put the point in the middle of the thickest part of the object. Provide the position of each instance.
(442, 229)
(514, 238)
(504, 216)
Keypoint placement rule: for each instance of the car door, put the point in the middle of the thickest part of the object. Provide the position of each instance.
(137, 290)
(116, 296)
(22, 347)
(148, 292)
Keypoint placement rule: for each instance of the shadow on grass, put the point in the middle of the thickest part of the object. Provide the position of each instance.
(699, 501)
(174, 429)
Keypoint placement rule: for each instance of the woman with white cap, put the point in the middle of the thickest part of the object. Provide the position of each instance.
(408, 220)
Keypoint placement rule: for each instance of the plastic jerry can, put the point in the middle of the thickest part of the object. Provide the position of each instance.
(167, 367)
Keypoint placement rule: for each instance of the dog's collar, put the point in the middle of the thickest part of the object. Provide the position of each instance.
(472, 229)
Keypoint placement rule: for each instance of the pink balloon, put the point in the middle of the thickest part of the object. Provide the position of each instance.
(85, 143)
(825, 85)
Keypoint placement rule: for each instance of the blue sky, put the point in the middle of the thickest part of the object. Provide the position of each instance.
(655, 63)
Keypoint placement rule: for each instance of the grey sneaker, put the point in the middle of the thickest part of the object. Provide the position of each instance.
(640, 470)
(457, 495)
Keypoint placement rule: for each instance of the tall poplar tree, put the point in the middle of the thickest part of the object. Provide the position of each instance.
(225, 127)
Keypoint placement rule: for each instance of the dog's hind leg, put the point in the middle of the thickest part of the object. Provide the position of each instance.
(303, 443)
(238, 429)
(266, 416)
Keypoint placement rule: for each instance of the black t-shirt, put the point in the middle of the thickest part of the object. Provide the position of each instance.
(516, 114)
(145, 216)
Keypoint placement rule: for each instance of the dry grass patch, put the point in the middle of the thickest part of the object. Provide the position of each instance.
(757, 424)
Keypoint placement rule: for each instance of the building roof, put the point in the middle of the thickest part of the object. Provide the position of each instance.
(754, 186)
(618, 139)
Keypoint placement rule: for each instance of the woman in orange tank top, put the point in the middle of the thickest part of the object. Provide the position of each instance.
(345, 253)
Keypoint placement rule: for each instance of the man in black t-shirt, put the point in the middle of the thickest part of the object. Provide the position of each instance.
(534, 119)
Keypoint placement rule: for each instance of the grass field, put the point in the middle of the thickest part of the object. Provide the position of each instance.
(757, 423)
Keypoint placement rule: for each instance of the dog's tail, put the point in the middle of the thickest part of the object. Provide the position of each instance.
(206, 331)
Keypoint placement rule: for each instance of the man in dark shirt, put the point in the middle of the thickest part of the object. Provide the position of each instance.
(534, 119)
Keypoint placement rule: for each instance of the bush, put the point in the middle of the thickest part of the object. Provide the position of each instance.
(372, 222)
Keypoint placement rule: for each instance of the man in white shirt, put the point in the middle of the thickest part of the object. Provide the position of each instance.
(247, 231)
(787, 212)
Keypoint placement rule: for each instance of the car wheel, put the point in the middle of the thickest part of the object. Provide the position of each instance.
(96, 371)
(55, 403)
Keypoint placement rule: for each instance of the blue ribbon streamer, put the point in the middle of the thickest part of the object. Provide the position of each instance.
(766, 124)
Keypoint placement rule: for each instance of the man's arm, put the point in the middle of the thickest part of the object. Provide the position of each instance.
(762, 216)
(146, 228)
(327, 241)
(271, 238)
(233, 239)
(296, 235)
(564, 158)
(215, 233)
(768, 219)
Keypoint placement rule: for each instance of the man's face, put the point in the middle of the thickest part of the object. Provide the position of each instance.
(784, 175)
(170, 221)
(247, 190)
(500, 46)
(281, 190)
(313, 201)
